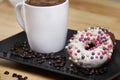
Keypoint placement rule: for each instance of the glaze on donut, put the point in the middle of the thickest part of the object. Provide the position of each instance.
(91, 48)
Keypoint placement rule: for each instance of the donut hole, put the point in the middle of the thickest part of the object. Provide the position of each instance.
(90, 46)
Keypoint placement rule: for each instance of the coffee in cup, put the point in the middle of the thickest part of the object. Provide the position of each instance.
(44, 2)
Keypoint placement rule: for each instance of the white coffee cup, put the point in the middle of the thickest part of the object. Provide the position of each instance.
(45, 26)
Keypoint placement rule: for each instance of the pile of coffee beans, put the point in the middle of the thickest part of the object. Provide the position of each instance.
(74, 69)
(55, 60)
(52, 59)
(23, 50)
(15, 75)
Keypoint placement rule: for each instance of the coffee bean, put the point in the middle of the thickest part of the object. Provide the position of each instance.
(49, 62)
(61, 65)
(40, 62)
(58, 68)
(56, 65)
(25, 78)
(24, 42)
(96, 71)
(58, 56)
(14, 75)
(5, 53)
(6, 73)
(91, 71)
(58, 61)
(52, 57)
(12, 49)
(19, 76)
(43, 57)
(71, 70)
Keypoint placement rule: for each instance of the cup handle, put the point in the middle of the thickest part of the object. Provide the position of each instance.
(19, 17)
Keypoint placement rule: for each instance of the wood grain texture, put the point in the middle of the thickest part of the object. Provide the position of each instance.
(82, 14)
(86, 13)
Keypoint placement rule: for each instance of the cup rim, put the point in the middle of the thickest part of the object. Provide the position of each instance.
(45, 6)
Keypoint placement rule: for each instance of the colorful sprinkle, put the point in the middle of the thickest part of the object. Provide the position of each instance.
(97, 42)
(82, 40)
(85, 46)
(85, 30)
(75, 54)
(82, 36)
(70, 51)
(110, 45)
(109, 57)
(98, 53)
(66, 47)
(70, 58)
(104, 48)
(96, 57)
(83, 57)
(105, 43)
(101, 57)
(69, 47)
(110, 54)
(103, 37)
(88, 38)
(99, 32)
(90, 34)
(92, 57)
(76, 61)
(85, 39)
(78, 51)
(104, 52)
(72, 38)
(93, 53)
(107, 35)
(87, 34)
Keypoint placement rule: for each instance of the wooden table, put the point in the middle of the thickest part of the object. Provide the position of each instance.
(82, 14)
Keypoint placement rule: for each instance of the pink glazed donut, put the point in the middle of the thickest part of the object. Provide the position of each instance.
(91, 48)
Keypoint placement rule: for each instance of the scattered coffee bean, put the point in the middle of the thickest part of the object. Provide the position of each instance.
(25, 77)
(49, 63)
(6, 73)
(12, 49)
(5, 53)
(14, 75)
(58, 68)
(19, 76)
